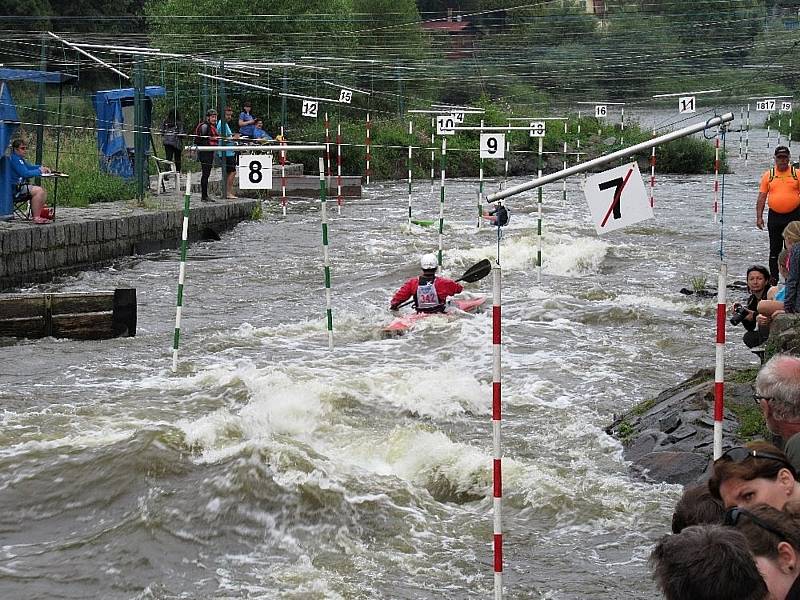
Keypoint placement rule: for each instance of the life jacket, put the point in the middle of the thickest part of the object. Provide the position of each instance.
(772, 173)
(426, 299)
(205, 140)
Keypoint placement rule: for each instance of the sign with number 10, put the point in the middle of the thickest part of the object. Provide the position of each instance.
(255, 171)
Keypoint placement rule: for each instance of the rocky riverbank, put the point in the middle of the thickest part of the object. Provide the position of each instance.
(670, 437)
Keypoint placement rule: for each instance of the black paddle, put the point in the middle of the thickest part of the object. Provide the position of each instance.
(475, 273)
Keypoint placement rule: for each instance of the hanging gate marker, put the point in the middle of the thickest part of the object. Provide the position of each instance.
(433, 148)
(339, 167)
(367, 149)
(539, 219)
(747, 135)
(327, 146)
(480, 186)
(182, 272)
(441, 200)
(283, 174)
(564, 191)
(497, 479)
(410, 142)
(326, 259)
(741, 118)
(716, 177)
(653, 173)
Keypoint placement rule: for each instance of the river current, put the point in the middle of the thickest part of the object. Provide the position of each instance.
(271, 467)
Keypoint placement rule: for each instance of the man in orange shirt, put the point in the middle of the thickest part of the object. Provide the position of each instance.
(781, 188)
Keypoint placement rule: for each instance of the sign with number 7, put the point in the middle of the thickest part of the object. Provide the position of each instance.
(617, 198)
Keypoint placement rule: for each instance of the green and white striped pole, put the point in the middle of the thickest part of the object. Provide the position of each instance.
(325, 259)
(566, 132)
(410, 143)
(480, 188)
(539, 220)
(182, 272)
(441, 199)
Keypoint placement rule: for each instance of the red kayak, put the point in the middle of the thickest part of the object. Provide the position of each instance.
(405, 323)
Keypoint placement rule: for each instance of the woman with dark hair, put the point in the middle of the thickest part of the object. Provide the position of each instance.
(758, 473)
(773, 537)
(758, 285)
(172, 132)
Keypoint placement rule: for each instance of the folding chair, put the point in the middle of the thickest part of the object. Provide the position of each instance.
(21, 201)
(164, 175)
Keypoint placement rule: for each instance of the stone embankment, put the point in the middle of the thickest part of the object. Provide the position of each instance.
(670, 437)
(85, 238)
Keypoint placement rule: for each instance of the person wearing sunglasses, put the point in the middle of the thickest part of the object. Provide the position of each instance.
(773, 537)
(707, 562)
(22, 171)
(758, 473)
(778, 396)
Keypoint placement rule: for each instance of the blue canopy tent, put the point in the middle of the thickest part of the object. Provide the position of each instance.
(9, 122)
(111, 107)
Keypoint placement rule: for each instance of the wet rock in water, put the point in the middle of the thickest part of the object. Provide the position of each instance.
(784, 334)
(671, 437)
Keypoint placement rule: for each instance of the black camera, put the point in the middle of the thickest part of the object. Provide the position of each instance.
(740, 312)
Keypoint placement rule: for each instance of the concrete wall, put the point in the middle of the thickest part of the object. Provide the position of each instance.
(85, 238)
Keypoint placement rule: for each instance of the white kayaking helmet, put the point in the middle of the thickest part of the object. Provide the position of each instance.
(428, 262)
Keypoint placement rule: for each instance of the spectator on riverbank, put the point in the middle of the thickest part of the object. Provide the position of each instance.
(22, 171)
(773, 537)
(697, 507)
(259, 133)
(791, 300)
(780, 189)
(246, 120)
(228, 157)
(206, 135)
(758, 286)
(708, 562)
(758, 473)
(778, 395)
(777, 293)
(172, 132)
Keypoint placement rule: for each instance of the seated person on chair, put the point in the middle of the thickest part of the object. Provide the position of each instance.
(22, 171)
(259, 133)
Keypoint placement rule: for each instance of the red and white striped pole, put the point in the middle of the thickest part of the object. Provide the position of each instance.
(339, 167)
(497, 480)
(716, 178)
(367, 144)
(719, 372)
(327, 145)
(653, 173)
(283, 173)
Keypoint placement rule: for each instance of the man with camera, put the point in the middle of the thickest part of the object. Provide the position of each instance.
(757, 326)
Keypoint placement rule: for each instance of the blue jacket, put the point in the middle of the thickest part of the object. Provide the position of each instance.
(791, 302)
(22, 170)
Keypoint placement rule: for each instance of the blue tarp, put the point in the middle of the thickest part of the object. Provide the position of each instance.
(115, 156)
(9, 122)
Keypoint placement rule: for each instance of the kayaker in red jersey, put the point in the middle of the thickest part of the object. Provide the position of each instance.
(429, 291)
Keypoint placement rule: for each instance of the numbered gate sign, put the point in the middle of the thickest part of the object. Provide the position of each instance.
(445, 125)
(766, 105)
(537, 129)
(493, 145)
(600, 111)
(686, 105)
(617, 198)
(255, 171)
(786, 106)
(345, 97)
(458, 117)
(310, 108)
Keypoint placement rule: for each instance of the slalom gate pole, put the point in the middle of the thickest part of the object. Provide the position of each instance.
(653, 173)
(789, 144)
(327, 145)
(497, 479)
(716, 178)
(367, 147)
(539, 219)
(719, 371)
(768, 128)
(564, 191)
(323, 201)
(480, 189)
(410, 142)
(182, 272)
(433, 150)
(339, 167)
(622, 127)
(747, 135)
(283, 174)
(778, 130)
(741, 137)
(508, 150)
(441, 200)
(578, 140)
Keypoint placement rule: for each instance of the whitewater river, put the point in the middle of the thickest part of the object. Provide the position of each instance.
(270, 467)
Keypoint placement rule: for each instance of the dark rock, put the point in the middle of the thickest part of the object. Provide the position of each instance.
(673, 467)
(681, 433)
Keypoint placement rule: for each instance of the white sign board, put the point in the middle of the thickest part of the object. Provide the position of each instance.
(493, 145)
(445, 124)
(458, 117)
(537, 129)
(600, 111)
(617, 198)
(686, 104)
(310, 108)
(766, 105)
(786, 106)
(345, 96)
(255, 171)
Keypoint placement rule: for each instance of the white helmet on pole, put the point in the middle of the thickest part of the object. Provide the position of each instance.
(428, 262)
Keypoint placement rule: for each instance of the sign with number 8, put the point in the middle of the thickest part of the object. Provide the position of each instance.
(255, 171)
